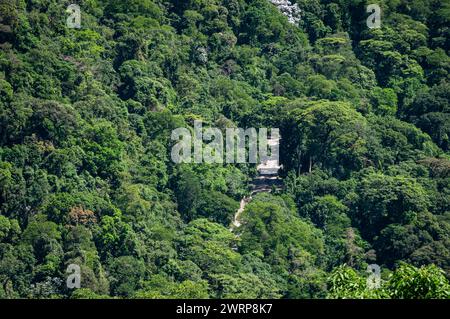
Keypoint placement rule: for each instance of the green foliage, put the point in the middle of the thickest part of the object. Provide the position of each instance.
(330, 135)
(160, 287)
(271, 227)
(406, 282)
(86, 176)
(210, 246)
(218, 207)
(388, 200)
(243, 286)
(409, 282)
(128, 273)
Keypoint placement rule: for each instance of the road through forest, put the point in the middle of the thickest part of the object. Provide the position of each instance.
(266, 181)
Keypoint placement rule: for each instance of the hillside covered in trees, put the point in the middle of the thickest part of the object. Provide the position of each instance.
(86, 175)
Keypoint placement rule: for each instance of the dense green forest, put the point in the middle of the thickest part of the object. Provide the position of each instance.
(86, 178)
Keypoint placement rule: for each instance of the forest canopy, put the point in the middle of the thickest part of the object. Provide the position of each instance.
(86, 176)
